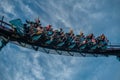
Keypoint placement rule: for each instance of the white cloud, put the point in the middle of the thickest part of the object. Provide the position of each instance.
(98, 16)
(7, 7)
(31, 65)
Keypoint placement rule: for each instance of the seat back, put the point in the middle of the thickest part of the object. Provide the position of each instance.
(18, 25)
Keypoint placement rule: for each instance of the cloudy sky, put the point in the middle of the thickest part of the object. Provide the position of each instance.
(88, 16)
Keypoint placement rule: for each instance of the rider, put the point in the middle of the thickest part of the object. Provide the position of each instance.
(48, 27)
(102, 41)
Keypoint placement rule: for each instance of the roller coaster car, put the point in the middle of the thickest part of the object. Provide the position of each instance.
(14, 32)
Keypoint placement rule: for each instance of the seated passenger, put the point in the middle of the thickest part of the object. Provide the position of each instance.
(60, 31)
(82, 41)
(51, 38)
(33, 28)
(81, 37)
(39, 30)
(37, 23)
(54, 36)
(90, 36)
(32, 31)
(102, 41)
(91, 42)
(48, 27)
(70, 39)
(73, 42)
(62, 39)
(101, 38)
(77, 41)
(37, 34)
(71, 32)
(30, 24)
(70, 36)
(26, 29)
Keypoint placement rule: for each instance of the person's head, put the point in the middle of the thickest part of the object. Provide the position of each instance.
(62, 33)
(61, 29)
(71, 31)
(91, 34)
(103, 36)
(81, 33)
(49, 26)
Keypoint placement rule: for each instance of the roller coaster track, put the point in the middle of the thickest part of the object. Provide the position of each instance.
(7, 33)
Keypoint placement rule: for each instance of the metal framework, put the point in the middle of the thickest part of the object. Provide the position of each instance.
(9, 36)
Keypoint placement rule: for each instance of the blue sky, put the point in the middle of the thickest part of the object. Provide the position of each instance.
(88, 16)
